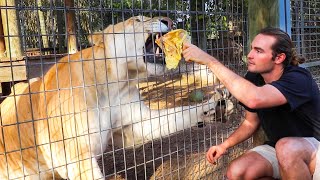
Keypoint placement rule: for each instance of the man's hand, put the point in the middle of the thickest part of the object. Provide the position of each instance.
(215, 152)
(193, 53)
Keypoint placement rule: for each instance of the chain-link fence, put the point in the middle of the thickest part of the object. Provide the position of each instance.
(306, 33)
(91, 100)
(88, 99)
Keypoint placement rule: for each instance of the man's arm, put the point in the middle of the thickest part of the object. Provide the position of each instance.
(249, 94)
(246, 92)
(245, 130)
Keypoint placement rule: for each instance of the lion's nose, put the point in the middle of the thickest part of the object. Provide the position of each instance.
(167, 21)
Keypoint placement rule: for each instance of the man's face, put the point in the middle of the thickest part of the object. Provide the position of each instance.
(260, 56)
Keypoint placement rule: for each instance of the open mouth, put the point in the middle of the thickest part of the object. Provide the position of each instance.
(153, 53)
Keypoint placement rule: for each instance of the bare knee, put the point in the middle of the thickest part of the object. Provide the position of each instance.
(291, 150)
(235, 170)
(287, 150)
(238, 169)
(250, 165)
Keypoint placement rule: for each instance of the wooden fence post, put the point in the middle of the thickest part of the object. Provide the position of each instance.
(11, 28)
(44, 34)
(2, 42)
(71, 31)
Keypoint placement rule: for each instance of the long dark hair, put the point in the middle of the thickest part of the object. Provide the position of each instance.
(284, 45)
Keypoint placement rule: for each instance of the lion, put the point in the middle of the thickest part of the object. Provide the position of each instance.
(57, 126)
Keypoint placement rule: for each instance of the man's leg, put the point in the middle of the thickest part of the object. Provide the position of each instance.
(297, 157)
(253, 165)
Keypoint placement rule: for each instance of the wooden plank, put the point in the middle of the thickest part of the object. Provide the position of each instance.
(34, 57)
(47, 56)
(2, 42)
(8, 59)
(13, 71)
(11, 28)
(71, 28)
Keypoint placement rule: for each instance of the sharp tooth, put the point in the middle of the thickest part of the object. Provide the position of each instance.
(158, 50)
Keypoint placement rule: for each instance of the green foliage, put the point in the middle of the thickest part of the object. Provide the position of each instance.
(206, 17)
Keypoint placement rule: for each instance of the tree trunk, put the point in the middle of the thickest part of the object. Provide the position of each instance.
(71, 32)
(44, 37)
(262, 13)
(2, 43)
(11, 29)
(60, 27)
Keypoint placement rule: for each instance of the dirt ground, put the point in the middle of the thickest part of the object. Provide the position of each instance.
(171, 156)
(141, 163)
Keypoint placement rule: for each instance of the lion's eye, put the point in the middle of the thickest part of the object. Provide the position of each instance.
(138, 20)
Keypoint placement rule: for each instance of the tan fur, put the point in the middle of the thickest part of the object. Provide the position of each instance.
(96, 38)
(57, 124)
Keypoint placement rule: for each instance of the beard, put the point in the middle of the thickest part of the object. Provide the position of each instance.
(260, 70)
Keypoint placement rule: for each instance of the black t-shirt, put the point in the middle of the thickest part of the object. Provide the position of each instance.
(300, 117)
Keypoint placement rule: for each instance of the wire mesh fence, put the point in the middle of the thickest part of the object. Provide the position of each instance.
(89, 99)
(90, 96)
(306, 33)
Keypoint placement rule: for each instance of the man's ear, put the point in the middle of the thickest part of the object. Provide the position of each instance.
(280, 58)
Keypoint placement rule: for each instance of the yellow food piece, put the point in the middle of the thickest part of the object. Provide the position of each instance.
(171, 44)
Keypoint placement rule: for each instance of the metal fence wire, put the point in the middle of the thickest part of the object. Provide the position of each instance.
(306, 33)
(86, 96)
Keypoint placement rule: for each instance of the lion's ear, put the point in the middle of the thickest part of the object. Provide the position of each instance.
(95, 38)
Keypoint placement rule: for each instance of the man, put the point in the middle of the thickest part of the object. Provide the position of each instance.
(281, 97)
